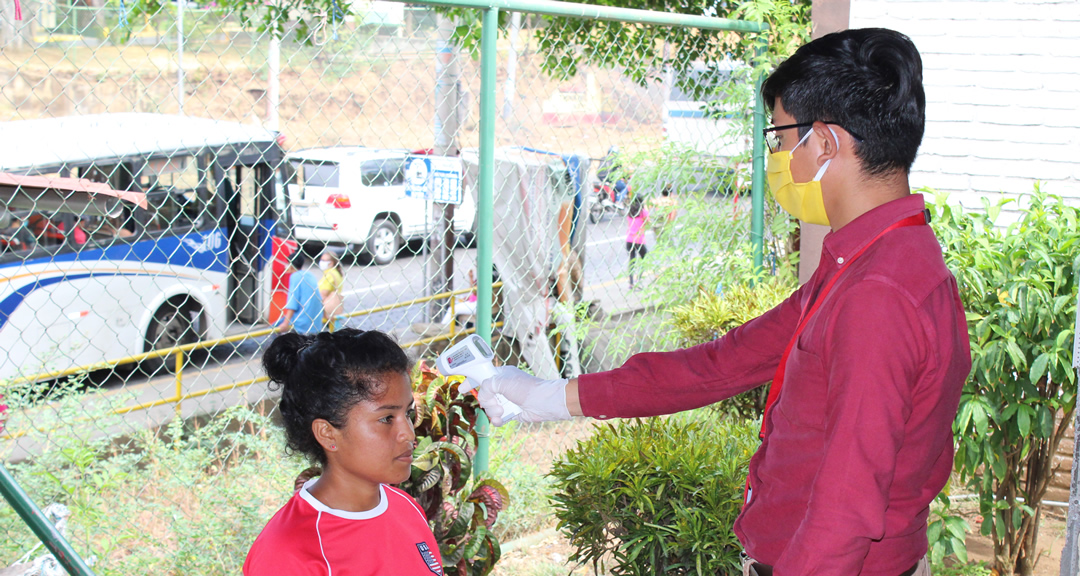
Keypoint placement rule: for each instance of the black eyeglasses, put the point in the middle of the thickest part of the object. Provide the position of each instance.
(773, 141)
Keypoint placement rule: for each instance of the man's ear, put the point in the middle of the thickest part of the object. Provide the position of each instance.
(325, 434)
(827, 147)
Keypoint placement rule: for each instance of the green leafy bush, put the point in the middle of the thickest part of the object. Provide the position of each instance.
(656, 496)
(189, 498)
(946, 533)
(709, 316)
(1018, 284)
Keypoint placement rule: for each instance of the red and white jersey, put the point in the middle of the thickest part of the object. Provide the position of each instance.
(307, 538)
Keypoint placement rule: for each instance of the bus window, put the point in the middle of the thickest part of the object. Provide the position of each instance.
(23, 232)
(174, 211)
(15, 235)
(102, 230)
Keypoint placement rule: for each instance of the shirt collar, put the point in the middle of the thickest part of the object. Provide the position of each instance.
(840, 245)
(375, 512)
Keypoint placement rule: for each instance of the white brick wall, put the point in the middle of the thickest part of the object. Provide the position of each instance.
(1002, 81)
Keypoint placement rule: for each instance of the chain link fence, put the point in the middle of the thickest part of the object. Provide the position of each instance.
(130, 333)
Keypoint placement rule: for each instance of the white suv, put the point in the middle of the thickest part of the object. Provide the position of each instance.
(355, 196)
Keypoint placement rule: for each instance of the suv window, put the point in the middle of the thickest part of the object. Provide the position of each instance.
(323, 174)
(383, 172)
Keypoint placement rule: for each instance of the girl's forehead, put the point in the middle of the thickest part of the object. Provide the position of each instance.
(393, 390)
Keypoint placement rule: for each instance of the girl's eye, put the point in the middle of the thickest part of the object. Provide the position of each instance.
(386, 419)
(411, 414)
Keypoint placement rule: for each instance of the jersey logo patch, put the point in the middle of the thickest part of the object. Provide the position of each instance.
(429, 558)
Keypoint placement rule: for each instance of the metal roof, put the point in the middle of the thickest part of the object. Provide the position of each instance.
(25, 144)
(342, 154)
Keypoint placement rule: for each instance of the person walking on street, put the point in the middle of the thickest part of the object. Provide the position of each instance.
(330, 286)
(665, 208)
(867, 359)
(303, 311)
(635, 233)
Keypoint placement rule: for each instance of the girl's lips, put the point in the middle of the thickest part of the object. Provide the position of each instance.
(406, 457)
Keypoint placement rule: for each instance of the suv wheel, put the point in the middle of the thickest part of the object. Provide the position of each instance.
(384, 243)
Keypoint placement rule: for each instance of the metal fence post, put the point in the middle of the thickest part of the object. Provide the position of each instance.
(757, 185)
(489, 34)
(43, 529)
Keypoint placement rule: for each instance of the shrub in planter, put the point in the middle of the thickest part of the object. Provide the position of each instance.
(656, 496)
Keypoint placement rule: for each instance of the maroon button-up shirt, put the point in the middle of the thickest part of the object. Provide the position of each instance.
(860, 440)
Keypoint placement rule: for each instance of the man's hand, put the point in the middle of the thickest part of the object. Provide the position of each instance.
(540, 400)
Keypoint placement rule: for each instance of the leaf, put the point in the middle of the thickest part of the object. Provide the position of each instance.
(933, 531)
(978, 415)
(1023, 420)
(1038, 367)
(430, 479)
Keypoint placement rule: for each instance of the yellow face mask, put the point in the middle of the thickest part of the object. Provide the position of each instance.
(802, 200)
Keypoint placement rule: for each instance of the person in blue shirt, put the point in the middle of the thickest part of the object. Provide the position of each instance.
(303, 310)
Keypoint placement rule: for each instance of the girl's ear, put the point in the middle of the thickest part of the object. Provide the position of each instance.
(325, 434)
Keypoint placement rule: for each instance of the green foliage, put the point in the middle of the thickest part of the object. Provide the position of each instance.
(1019, 288)
(510, 463)
(947, 534)
(186, 499)
(965, 569)
(647, 51)
(709, 316)
(656, 496)
(462, 513)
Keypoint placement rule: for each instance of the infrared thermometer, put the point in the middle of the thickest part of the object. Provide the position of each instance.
(471, 358)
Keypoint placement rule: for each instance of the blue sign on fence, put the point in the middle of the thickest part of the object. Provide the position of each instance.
(436, 178)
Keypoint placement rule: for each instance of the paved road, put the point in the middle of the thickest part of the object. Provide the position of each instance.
(369, 287)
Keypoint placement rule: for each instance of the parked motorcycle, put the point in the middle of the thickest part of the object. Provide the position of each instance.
(602, 201)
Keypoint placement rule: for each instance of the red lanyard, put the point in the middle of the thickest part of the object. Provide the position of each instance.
(778, 380)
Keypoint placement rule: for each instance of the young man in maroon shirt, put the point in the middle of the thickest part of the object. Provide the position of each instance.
(867, 359)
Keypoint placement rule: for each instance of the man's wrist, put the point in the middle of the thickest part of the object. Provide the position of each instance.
(573, 401)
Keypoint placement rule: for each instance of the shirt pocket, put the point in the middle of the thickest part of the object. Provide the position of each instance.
(802, 399)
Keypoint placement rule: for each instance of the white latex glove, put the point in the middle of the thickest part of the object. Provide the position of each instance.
(539, 400)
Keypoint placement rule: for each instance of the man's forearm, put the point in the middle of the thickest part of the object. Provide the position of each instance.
(573, 401)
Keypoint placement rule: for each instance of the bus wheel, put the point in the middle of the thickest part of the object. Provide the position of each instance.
(172, 325)
(384, 243)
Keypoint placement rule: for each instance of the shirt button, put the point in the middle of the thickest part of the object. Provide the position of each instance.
(840, 260)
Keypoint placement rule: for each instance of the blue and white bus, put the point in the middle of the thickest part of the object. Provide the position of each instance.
(76, 290)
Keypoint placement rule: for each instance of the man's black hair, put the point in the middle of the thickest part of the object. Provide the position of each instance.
(298, 259)
(869, 81)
